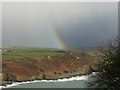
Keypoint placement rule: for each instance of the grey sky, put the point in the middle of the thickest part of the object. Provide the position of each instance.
(0, 24)
(79, 24)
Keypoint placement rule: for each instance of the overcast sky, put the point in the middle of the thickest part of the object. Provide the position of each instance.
(78, 24)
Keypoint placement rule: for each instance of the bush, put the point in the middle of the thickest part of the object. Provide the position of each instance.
(108, 75)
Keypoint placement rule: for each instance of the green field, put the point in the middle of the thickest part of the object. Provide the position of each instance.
(17, 53)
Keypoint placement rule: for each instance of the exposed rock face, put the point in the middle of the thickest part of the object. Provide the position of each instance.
(51, 67)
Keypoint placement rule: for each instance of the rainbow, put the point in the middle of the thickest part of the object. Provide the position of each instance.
(58, 40)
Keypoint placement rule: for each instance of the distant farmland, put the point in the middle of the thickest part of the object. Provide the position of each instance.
(17, 53)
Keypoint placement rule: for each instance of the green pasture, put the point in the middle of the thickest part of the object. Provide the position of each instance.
(8, 54)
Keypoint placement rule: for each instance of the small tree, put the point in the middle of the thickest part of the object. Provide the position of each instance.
(108, 75)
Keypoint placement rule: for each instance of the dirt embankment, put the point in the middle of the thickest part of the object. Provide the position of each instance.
(47, 67)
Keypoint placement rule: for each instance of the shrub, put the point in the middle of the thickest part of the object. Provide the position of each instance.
(108, 75)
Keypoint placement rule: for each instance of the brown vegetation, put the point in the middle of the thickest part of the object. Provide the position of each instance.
(55, 67)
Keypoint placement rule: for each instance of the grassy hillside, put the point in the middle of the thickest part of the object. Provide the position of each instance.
(26, 52)
(21, 64)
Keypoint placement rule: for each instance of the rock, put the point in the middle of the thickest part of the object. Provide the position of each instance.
(77, 58)
(49, 57)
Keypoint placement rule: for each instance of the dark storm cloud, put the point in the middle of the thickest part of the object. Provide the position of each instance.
(90, 33)
(79, 24)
